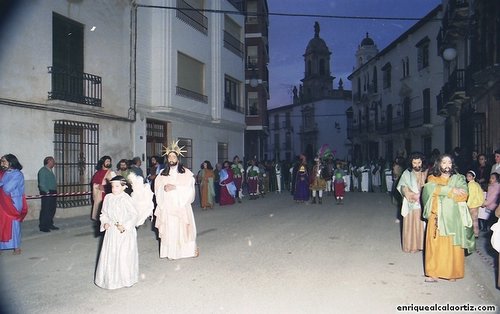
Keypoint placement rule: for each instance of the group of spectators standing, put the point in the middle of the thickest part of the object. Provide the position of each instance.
(444, 205)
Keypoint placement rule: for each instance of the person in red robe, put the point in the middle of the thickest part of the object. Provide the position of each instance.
(227, 186)
(100, 184)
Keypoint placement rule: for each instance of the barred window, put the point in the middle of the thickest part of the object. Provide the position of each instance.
(76, 151)
(187, 160)
(222, 152)
(156, 137)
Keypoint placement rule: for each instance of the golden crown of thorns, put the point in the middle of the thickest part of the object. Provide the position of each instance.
(174, 148)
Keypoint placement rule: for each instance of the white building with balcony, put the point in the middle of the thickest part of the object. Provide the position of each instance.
(190, 78)
(394, 104)
(84, 79)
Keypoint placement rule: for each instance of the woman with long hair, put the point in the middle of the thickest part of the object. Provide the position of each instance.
(13, 206)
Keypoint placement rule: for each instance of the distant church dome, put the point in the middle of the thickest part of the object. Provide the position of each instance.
(316, 44)
(367, 41)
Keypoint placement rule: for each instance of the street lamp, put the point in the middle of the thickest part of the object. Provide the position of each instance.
(449, 54)
(254, 82)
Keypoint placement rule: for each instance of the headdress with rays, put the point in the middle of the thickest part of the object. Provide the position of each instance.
(174, 148)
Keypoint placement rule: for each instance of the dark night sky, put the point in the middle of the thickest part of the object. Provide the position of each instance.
(288, 36)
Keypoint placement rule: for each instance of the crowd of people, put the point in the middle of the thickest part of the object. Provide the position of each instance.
(444, 205)
(444, 201)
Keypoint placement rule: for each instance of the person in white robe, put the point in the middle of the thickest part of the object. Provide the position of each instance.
(365, 178)
(118, 264)
(388, 180)
(175, 192)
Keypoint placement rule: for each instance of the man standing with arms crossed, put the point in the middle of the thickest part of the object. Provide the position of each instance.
(48, 189)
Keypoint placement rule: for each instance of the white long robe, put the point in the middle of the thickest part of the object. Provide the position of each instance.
(174, 215)
(118, 264)
(365, 178)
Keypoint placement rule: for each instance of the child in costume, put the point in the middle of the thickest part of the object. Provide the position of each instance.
(118, 264)
(490, 202)
(475, 199)
(339, 184)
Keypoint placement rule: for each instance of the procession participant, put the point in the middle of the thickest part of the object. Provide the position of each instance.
(328, 175)
(449, 228)
(475, 200)
(118, 264)
(491, 200)
(207, 185)
(277, 171)
(365, 177)
(238, 173)
(175, 192)
(301, 191)
(122, 168)
(318, 183)
(339, 183)
(495, 168)
(155, 169)
(100, 184)
(253, 180)
(410, 185)
(13, 205)
(135, 167)
(227, 186)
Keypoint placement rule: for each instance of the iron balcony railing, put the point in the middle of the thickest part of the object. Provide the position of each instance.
(456, 84)
(233, 44)
(191, 95)
(238, 4)
(416, 118)
(192, 16)
(73, 86)
(397, 124)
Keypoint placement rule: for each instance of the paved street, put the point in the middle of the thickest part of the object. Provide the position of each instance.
(262, 256)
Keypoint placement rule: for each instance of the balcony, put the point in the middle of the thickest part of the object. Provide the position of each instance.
(455, 21)
(233, 44)
(192, 16)
(311, 128)
(183, 92)
(73, 86)
(238, 4)
(398, 124)
(454, 89)
(416, 118)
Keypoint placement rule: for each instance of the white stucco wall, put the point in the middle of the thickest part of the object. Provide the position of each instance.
(28, 116)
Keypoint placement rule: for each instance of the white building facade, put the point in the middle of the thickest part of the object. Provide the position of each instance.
(394, 105)
(190, 79)
(83, 79)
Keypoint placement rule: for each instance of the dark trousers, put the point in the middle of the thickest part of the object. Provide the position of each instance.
(48, 210)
